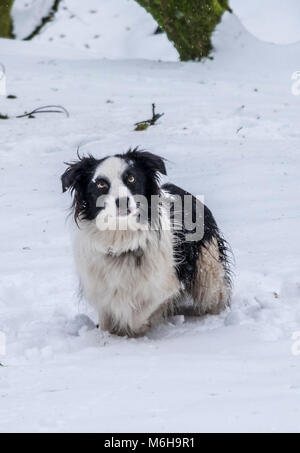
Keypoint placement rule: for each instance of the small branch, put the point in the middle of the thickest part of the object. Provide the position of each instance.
(59, 109)
(44, 109)
(142, 125)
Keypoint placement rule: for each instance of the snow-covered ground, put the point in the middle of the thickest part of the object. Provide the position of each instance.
(102, 28)
(269, 20)
(231, 132)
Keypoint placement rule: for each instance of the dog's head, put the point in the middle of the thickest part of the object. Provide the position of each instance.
(113, 188)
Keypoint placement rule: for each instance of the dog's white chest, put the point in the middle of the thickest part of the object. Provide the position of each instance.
(130, 287)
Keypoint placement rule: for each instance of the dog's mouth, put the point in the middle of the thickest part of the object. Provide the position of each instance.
(128, 219)
(124, 212)
(124, 207)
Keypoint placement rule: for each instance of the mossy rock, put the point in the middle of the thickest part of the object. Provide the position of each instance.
(189, 24)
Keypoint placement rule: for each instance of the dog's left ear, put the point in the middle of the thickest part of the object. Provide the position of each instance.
(153, 163)
(77, 172)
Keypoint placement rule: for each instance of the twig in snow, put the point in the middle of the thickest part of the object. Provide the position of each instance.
(45, 109)
(142, 125)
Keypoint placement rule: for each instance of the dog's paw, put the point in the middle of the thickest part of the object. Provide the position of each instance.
(141, 331)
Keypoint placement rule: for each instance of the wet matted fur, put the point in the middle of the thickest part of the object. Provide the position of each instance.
(135, 276)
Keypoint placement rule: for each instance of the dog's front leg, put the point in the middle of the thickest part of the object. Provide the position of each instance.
(106, 321)
(148, 315)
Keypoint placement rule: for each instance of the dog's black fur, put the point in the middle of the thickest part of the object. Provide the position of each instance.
(190, 250)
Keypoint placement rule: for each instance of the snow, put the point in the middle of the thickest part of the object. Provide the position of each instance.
(107, 28)
(270, 20)
(27, 15)
(230, 132)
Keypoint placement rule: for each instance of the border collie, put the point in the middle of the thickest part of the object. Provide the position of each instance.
(143, 250)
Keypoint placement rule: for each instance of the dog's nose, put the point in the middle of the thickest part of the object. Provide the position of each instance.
(123, 205)
(122, 202)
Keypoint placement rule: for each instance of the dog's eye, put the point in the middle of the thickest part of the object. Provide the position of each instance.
(101, 184)
(131, 179)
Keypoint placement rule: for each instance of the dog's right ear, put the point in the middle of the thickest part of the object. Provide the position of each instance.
(77, 173)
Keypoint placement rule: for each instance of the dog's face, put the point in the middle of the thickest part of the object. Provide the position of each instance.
(112, 188)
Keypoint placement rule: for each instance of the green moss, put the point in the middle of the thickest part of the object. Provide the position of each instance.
(189, 24)
(141, 127)
(5, 18)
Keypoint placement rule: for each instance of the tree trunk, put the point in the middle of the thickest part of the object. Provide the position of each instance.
(5, 19)
(189, 24)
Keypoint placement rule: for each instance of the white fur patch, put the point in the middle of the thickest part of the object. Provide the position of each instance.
(112, 168)
(108, 219)
(125, 293)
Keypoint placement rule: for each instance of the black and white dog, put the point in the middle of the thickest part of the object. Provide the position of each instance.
(136, 257)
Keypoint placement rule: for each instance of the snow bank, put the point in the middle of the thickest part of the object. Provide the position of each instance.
(270, 20)
(104, 28)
